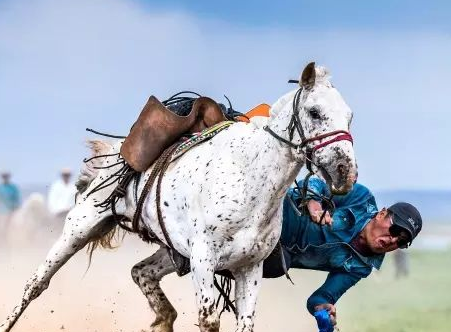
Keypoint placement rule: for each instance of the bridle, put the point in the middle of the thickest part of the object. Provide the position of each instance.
(303, 147)
(308, 151)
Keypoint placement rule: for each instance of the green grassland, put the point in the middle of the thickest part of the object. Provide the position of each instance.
(419, 303)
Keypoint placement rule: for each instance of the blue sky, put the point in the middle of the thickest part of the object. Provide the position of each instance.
(331, 14)
(67, 65)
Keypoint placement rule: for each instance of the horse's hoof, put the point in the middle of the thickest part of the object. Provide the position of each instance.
(162, 328)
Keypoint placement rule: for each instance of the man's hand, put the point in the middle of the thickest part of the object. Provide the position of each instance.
(316, 211)
(331, 309)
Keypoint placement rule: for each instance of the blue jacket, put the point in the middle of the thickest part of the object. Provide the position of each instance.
(9, 197)
(327, 248)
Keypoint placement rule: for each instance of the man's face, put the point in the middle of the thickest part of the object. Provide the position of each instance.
(5, 178)
(379, 239)
(66, 177)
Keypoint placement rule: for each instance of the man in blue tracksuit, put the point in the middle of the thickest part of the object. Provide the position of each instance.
(9, 195)
(348, 244)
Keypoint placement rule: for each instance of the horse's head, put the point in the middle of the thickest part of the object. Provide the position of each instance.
(318, 127)
(323, 111)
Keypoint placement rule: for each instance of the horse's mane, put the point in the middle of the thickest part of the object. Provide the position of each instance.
(280, 104)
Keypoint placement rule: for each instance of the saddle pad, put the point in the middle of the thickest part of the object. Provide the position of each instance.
(259, 110)
(200, 137)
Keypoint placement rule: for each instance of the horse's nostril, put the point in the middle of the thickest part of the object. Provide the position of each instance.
(342, 169)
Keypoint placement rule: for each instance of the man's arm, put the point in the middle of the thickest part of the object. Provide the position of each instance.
(314, 207)
(336, 284)
(318, 186)
(316, 213)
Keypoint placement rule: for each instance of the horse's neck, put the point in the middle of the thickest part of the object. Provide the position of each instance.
(270, 163)
(285, 163)
(280, 115)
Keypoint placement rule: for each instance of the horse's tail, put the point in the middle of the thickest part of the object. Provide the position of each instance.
(111, 237)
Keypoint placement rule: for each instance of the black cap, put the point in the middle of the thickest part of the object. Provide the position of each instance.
(405, 215)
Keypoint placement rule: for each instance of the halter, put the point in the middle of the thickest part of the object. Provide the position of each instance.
(295, 124)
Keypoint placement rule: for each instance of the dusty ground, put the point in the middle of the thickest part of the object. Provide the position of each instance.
(106, 299)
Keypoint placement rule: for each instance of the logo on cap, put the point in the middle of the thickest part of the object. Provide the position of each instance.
(412, 222)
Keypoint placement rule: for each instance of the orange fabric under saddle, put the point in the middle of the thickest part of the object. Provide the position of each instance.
(259, 110)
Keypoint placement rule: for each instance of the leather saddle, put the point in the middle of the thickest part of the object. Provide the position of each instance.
(157, 128)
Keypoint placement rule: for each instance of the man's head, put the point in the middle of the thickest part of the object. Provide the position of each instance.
(393, 228)
(6, 176)
(66, 175)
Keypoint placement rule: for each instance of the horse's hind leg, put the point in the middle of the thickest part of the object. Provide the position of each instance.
(147, 275)
(247, 285)
(82, 223)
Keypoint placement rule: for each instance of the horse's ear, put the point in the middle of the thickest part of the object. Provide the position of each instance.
(308, 76)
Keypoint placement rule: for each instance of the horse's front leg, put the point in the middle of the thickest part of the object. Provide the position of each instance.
(203, 263)
(247, 285)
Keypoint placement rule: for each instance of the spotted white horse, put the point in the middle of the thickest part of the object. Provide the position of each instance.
(221, 202)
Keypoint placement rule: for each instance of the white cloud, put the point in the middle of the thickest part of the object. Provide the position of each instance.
(67, 65)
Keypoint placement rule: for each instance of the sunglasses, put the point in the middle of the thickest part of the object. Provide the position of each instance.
(401, 234)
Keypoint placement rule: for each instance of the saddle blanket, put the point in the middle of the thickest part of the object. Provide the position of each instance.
(206, 134)
(200, 137)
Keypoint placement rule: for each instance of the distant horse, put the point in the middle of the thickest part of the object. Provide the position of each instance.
(30, 222)
(221, 202)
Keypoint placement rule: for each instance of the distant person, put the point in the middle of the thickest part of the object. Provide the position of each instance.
(61, 196)
(9, 195)
(401, 260)
(348, 244)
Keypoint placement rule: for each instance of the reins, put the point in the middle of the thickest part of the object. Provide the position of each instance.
(156, 174)
(295, 124)
(308, 151)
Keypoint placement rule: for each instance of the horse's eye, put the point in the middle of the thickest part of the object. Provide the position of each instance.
(314, 113)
